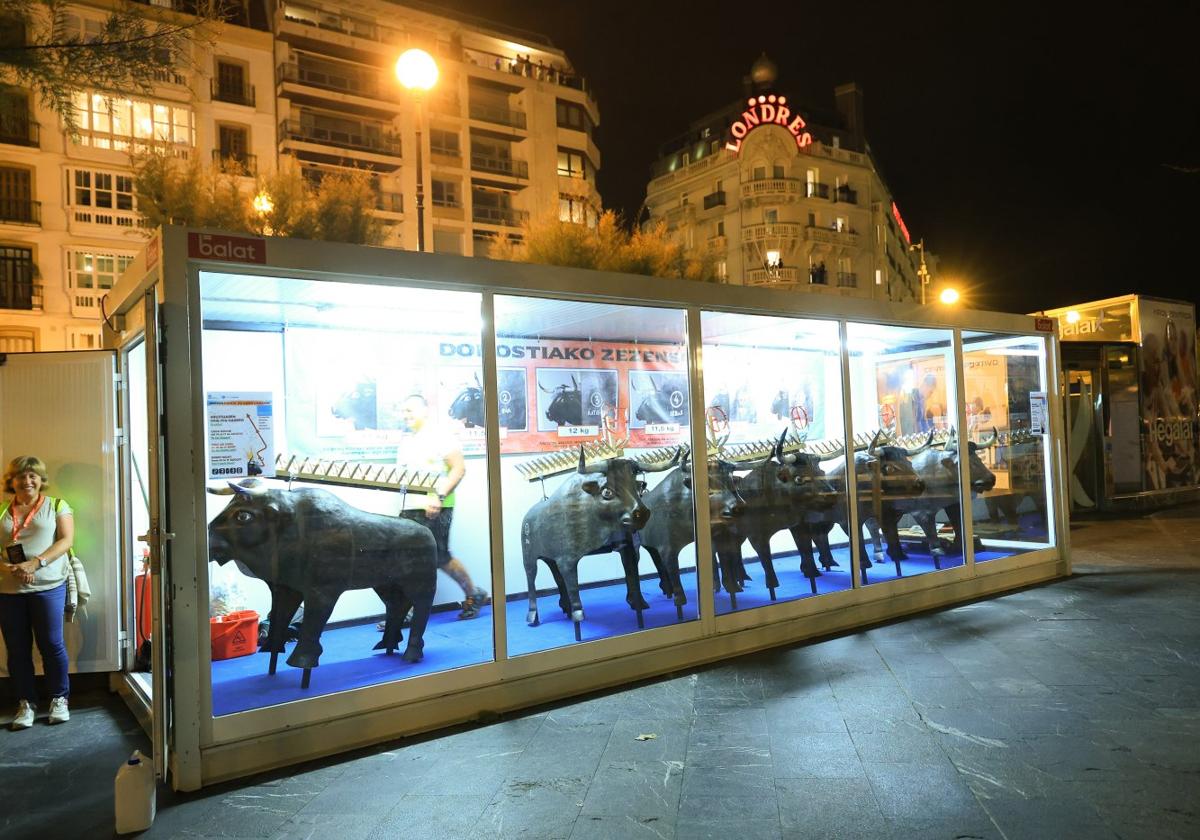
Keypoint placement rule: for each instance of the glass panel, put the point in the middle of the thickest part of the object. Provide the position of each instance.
(138, 512)
(906, 459)
(575, 375)
(773, 391)
(349, 390)
(1122, 418)
(1004, 378)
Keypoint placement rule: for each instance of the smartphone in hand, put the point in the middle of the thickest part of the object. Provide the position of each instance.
(16, 553)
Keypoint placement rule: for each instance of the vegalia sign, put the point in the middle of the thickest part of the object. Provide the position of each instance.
(767, 110)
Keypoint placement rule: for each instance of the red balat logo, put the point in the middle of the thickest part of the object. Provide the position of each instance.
(767, 110)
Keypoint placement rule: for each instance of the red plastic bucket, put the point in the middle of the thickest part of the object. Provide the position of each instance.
(235, 634)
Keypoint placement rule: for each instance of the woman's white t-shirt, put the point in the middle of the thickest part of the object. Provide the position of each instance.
(36, 537)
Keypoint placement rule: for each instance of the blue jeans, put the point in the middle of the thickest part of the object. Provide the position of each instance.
(26, 617)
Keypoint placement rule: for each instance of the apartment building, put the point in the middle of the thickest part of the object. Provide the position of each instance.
(787, 196)
(506, 133)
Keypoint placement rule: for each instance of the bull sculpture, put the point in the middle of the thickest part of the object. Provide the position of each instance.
(308, 545)
(597, 510)
(673, 526)
(358, 406)
(566, 407)
(884, 478)
(938, 470)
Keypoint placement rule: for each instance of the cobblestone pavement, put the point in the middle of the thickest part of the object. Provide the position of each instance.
(1065, 710)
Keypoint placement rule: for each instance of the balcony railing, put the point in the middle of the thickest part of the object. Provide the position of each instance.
(818, 276)
(831, 236)
(845, 195)
(498, 114)
(812, 189)
(389, 202)
(763, 187)
(847, 279)
(362, 138)
(772, 276)
(237, 94)
(714, 199)
(235, 163)
(19, 131)
(498, 215)
(333, 77)
(447, 202)
(21, 211)
(500, 166)
(772, 230)
(445, 151)
(21, 294)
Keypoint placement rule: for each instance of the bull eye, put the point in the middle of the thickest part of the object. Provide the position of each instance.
(641, 486)
(607, 494)
(243, 516)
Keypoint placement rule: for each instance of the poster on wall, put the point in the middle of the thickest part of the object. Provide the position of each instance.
(659, 402)
(1168, 386)
(756, 393)
(912, 395)
(987, 392)
(241, 436)
(1039, 420)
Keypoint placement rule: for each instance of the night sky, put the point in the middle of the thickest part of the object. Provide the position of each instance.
(1048, 157)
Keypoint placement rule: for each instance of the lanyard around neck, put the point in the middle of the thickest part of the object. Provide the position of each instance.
(18, 527)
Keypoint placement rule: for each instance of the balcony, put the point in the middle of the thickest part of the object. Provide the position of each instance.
(714, 199)
(776, 230)
(771, 187)
(451, 152)
(812, 189)
(499, 215)
(361, 137)
(845, 195)
(236, 94)
(818, 275)
(20, 211)
(19, 131)
(831, 236)
(847, 280)
(234, 163)
(21, 294)
(337, 78)
(497, 114)
(389, 202)
(500, 166)
(718, 242)
(772, 276)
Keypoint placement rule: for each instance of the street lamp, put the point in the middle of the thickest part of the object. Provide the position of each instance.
(923, 270)
(263, 205)
(949, 296)
(418, 72)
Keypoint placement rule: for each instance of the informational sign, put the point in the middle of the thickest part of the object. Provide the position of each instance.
(219, 246)
(767, 109)
(241, 435)
(1039, 418)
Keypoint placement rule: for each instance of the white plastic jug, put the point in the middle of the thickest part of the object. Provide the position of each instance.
(135, 794)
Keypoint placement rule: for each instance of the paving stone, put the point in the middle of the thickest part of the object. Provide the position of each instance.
(822, 756)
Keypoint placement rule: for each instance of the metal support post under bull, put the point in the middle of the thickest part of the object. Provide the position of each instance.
(578, 630)
(274, 662)
(304, 680)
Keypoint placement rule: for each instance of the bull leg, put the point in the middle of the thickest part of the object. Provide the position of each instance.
(564, 603)
(928, 524)
(821, 538)
(891, 532)
(633, 585)
(396, 604)
(531, 617)
(762, 547)
(284, 603)
(422, 607)
(317, 608)
(808, 564)
(666, 580)
(672, 564)
(570, 576)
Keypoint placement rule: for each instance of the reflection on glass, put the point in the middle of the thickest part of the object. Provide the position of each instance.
(593, 403)
(1006, 404)
(906, 450)
(137, 551)
(773, 389)
(345, 467)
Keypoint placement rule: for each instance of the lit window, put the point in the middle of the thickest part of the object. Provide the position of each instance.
(106, 122)
(574, 164)
(95, 270)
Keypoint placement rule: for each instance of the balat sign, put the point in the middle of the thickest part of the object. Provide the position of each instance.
(767, 110)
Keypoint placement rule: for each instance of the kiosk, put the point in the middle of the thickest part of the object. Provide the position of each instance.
(266, 392)
(1130, 389)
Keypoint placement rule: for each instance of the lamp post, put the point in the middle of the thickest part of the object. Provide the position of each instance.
(418, 72)
(923, 270)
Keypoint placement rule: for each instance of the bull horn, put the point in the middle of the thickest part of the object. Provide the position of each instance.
(249, 487)
(543, 389)
(951, 441)
(674, 460)
(874, 442)
(992, 442)
(219, 491)
(928, 443)
(582, 461)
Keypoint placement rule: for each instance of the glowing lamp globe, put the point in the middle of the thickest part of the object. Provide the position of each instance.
(262, 203)
(949, 296)
(417, 70)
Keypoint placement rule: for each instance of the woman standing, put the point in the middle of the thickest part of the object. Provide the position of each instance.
(33, 593)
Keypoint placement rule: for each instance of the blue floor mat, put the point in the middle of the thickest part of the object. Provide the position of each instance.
(349, 662)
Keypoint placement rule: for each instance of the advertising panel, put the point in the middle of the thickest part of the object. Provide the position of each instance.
(1169, 411)
(912, 395)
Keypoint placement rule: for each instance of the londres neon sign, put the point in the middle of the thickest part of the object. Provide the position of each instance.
(767, 110)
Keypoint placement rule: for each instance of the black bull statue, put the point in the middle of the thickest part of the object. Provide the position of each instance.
(597, 510)
(308, 545)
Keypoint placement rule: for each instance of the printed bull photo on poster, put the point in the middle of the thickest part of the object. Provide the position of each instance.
(575, 398)
(657, 400)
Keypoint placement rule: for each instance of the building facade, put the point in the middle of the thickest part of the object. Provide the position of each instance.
(507, 133)
(787, 197)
